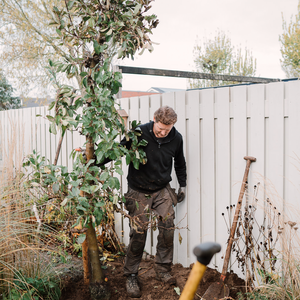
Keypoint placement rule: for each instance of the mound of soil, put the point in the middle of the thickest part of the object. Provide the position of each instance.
(74, 288)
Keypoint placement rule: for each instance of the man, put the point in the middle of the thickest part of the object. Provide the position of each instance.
(149, 187)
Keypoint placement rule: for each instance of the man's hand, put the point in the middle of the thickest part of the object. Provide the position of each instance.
(181, 194)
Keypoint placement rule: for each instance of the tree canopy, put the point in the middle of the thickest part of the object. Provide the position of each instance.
(7, 101)
(218, 56)
(290, 46)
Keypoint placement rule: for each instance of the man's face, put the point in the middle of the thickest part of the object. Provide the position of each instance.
(161, 130)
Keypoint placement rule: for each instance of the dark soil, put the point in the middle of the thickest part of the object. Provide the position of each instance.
(74, 288)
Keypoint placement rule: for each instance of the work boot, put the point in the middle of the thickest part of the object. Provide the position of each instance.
(132, 286)
(165, 277)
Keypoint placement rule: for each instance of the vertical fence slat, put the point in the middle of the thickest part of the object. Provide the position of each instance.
(180, 249)
(207, 167)
(292, 142)
(193, 171)
(238, 151)
(275, 138)
(222, 179)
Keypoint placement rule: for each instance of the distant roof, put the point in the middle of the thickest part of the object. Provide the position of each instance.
(35, 102)
(163, 90)
(128, 94)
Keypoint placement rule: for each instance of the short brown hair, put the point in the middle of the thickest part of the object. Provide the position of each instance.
(166, 115)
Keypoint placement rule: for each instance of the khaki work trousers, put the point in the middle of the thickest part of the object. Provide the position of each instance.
(140, 205)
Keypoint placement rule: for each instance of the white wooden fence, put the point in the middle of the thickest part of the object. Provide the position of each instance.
(219, 126)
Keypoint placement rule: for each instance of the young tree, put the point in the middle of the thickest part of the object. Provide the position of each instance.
(88, 29)
(218, 56)
(290, 46)
(7, 101)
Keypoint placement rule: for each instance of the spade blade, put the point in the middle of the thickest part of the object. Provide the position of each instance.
(216, 291)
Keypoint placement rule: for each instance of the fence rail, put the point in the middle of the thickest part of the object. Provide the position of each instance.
(219, 127)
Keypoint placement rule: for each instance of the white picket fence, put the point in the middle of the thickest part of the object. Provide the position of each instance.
(219, 126)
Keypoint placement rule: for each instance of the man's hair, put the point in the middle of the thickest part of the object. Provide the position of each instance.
(166, 115)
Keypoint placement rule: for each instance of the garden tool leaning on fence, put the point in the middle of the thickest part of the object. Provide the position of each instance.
(204, 253)
(218, 290)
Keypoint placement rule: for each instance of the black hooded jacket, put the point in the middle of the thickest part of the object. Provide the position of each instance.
(156, 173)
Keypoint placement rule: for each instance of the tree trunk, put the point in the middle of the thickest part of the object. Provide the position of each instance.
(97, 274)
(85, 260)
(93, 250)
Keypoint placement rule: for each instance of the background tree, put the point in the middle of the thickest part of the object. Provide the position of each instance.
(7, 101)
(290, 46)
(27, 41)
(218, 56)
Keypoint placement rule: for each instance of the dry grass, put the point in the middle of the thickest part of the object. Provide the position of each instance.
(22, 240)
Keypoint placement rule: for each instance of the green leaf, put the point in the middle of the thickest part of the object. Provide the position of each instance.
(81, 238)
(64, 202)
(119, 171)
(86, 189)
(84, 82)
(136, 163)
(70, 4)
(142, 143)
(98, 214)
(75, 192)
(52, 128)
(128, 159)
(137, 8)
(111, 182)
(80, 207)
(100, 204)
(55, 188)
(100, 156)
(50, 118)
(104, 176)
(97, 47)
(94, 188)
(120, 53)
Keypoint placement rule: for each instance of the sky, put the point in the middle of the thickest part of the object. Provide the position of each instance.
(255, 24)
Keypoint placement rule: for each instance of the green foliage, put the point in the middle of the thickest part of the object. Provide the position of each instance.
(255, 295)
(27, 288)
(290, 46)
(218, 56)
(7, 101)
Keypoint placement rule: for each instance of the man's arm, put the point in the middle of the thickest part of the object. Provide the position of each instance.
(180, 170)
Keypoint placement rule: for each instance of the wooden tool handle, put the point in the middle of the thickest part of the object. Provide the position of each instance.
(204, 253)
(249, 160)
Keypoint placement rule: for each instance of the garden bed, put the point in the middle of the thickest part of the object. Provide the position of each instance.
(74, 288)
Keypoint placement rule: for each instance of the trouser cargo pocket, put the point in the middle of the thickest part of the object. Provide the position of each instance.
(172, 194)
(130, 198)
